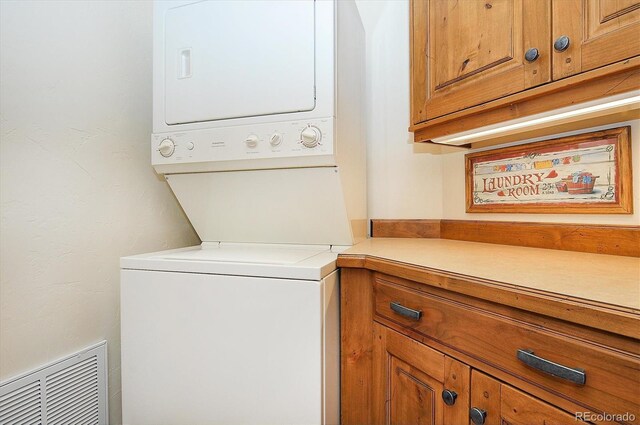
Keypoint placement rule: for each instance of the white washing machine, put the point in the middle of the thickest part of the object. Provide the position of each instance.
(231, 334)
(258, 130)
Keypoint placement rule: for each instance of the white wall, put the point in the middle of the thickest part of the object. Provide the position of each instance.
(76, 187)
(417, 181)
(403, 180)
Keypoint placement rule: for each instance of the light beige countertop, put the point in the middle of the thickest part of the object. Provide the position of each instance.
(604, 279)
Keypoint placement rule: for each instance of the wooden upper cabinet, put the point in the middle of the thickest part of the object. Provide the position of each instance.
(480, 62)
(600, 32)
(469, 52)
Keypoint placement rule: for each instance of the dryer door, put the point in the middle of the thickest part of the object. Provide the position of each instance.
(233, 59)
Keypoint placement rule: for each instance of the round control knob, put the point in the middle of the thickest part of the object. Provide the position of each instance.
(252, 141)
(190, 146)
(310, 137)
(449, 397)
(276, 139)
(478, 416)
(166, 147)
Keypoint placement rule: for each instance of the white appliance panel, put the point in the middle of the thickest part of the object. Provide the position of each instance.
(199, 349)
(234, 59)
(297, 206)
(229, 145)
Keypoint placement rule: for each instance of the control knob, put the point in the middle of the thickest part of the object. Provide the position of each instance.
(166, 147)
(252, 141)
(310, 137)
(276, 139)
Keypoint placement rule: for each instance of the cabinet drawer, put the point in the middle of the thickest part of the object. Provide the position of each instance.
(611, 378)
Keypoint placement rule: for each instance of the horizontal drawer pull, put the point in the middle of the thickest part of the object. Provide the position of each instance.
(577, 376)
(405, 311)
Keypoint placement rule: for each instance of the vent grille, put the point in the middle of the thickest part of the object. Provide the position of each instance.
(21, 406)
(70, 391)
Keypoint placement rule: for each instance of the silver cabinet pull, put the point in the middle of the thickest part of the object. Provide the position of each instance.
(577, 376)
(405, 311)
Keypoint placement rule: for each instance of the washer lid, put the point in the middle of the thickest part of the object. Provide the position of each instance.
(306, 262)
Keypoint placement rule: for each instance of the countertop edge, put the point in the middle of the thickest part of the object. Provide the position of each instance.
(611, 318)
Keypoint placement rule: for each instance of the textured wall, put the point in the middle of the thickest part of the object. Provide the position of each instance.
(76, 187)
(404, 180)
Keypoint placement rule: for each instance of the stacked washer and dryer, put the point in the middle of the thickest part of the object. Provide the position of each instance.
(258, 129)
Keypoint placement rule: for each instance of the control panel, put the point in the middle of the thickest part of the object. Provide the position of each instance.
(259, 141)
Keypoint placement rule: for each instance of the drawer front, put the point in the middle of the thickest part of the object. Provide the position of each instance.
(611, 380)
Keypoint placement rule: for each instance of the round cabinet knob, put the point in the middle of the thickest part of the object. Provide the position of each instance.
(252, 141)
(532, 54)
(561, 44)
(478, 416)
(166, 147)
(310, 136)
(449, 397)
(276, 139)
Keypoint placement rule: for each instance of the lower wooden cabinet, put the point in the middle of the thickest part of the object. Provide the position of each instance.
(408, 380)
(494, 403)
(416, 385)
(419, 355)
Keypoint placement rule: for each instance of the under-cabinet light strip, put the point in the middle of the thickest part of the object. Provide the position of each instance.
(546, 118)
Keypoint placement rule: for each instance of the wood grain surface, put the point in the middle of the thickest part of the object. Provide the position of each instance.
(478, 339)
(518, 408)
(457, 378)
(405, 228)
(611, 377)
(591, 238)
(600, 291)
(485, 395)
(606, 81)
(356, 348)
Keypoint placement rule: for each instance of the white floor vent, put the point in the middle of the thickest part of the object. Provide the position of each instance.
(71, 391)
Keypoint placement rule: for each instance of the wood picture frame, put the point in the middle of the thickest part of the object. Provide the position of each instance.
(588, 173)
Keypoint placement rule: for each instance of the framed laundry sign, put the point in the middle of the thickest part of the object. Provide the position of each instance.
(588, 173)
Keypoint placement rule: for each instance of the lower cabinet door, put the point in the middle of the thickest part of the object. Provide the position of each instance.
(494, 403)
(414, 384)
(417, 385)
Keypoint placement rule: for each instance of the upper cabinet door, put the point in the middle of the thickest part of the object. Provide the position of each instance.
(469, 52)
(598, 32)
